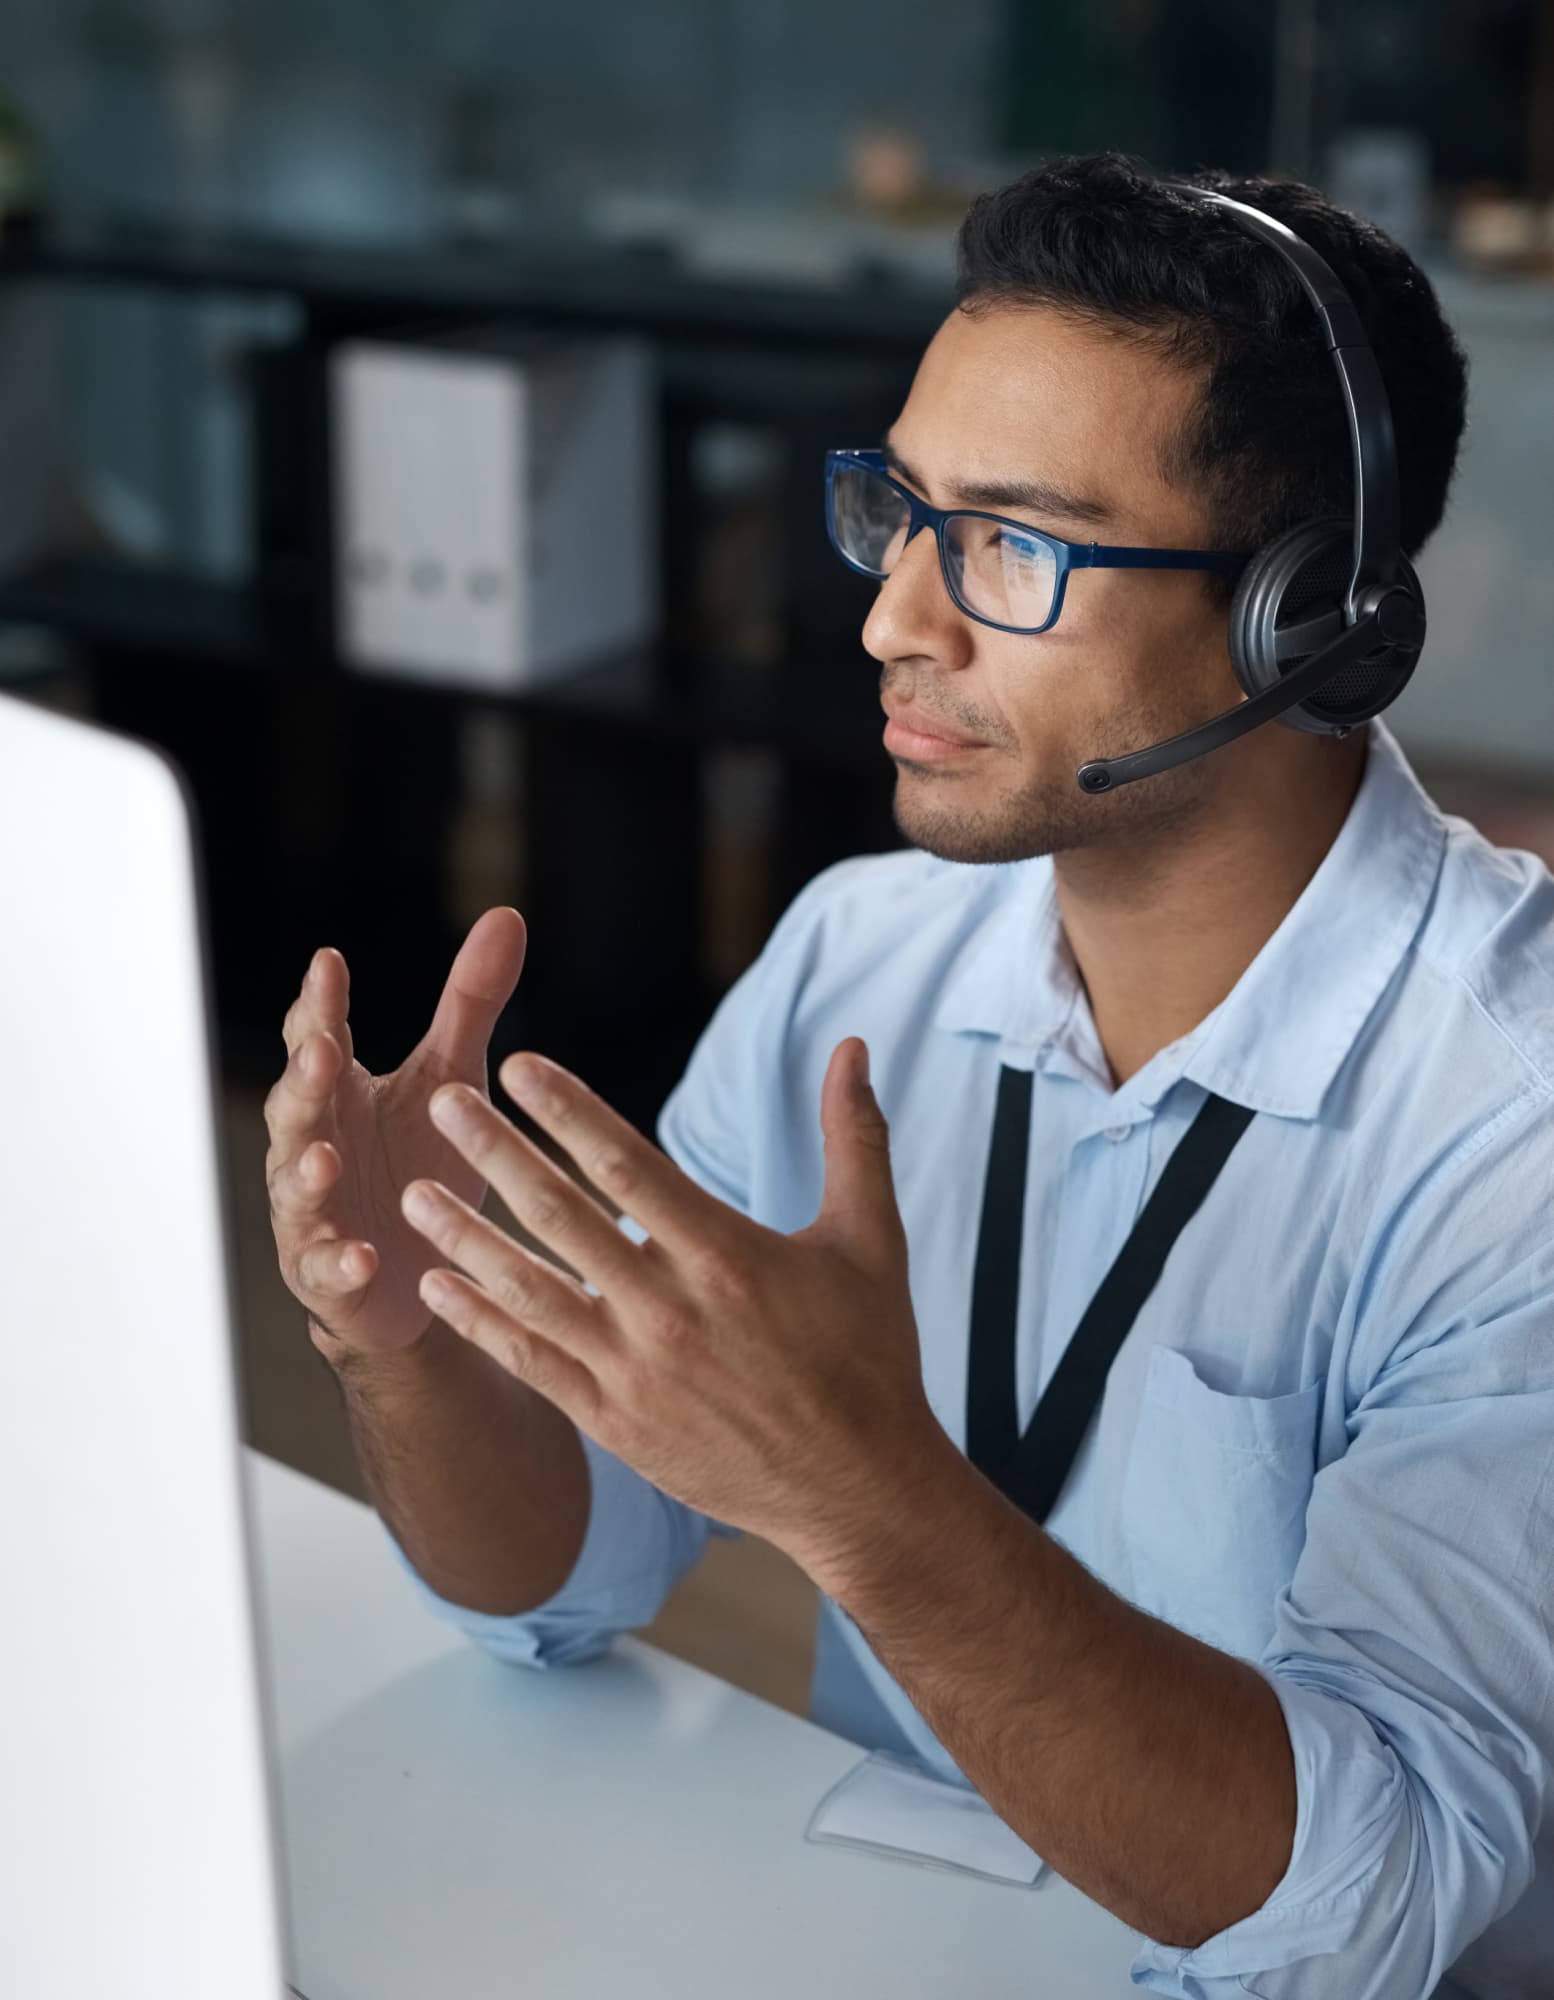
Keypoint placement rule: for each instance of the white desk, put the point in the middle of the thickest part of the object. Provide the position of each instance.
(456, 1829)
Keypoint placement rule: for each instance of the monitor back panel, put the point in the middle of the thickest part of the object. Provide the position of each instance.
(135, 1834)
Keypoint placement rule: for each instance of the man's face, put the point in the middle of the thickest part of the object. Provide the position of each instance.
(1018, 397)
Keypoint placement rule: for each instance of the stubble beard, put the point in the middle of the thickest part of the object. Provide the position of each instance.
(956, 817)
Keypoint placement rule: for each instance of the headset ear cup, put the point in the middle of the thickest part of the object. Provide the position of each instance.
(1249, 651)
(1300, 579)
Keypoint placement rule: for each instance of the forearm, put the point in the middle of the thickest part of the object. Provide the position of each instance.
(1149, 1769)
(482, 1482)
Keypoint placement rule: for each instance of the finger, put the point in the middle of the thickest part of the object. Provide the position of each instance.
(858, 1202)
(545, 1367)
(322, 1003)
(482, 980)
(329, 978)
(643, 1182)
(525, 1286)
(301, 1105)
(545, 1200)
(335, 1269)
(300, 1184)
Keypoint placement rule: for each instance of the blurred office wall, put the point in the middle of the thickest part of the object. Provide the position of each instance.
(349, 114)
(743, 130)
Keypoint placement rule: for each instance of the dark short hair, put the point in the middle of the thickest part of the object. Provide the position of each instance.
(1102, 238)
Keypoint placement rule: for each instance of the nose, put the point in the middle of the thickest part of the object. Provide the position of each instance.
(914, 616)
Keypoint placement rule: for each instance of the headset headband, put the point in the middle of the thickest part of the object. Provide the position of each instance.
(1381, 618)
(1378, 515)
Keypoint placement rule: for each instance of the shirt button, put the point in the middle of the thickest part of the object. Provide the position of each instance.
(1116, 1132)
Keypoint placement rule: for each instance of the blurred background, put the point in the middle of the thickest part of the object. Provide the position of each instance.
(411, 417)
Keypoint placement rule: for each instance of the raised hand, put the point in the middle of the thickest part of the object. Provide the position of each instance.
(344, 1143)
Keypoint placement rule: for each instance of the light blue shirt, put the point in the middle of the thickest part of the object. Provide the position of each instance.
(1327, 1445)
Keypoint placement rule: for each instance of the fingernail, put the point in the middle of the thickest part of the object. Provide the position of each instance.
(436, 1290)
(531, 1083)
(420, 1204)
(450, 1108)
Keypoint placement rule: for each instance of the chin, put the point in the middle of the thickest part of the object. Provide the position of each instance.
(949, 821)
(1017, 809)
(958, 820)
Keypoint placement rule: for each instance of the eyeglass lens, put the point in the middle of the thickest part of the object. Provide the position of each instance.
(992, 570)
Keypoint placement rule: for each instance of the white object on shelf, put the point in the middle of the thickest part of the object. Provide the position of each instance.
(495, 507)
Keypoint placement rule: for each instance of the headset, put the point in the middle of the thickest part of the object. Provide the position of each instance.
(1328, 619)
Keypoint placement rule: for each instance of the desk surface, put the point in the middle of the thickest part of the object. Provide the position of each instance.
(458, 1828)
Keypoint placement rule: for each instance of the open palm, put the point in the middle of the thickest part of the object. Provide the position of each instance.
(345, 1143)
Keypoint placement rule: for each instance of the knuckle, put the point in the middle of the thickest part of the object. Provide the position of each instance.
(515, 1291)
(324, 1288)
(288, 1192)
(281, 1183)
(325, 1277)
(546, 1212)
(669, 1322)
(275, 1101)
(727, 1285)
(605, 1421)
(298, 1273)
(614, 1172)
(483, 1316)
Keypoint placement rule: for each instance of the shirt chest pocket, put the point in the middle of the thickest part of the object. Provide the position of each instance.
(1213, 1504)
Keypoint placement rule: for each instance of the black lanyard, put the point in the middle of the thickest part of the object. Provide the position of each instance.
(1030, 1470)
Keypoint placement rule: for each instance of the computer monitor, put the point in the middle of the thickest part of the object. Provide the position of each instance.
(136, 1833)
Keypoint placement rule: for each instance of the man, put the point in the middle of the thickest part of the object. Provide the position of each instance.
(1273, 1681)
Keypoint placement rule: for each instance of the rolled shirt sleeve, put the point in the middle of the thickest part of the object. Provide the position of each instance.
(639, 1541)
(1412, 1654)
(637, 1546)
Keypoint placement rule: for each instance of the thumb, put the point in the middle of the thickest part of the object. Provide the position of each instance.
(859, 1201)
(481, 981)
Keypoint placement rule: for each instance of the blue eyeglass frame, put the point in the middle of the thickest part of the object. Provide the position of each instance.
(1067, 555)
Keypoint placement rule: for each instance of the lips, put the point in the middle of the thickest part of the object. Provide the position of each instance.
(928, 725)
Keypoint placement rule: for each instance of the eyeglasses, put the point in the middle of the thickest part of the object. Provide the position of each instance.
(1000, 572)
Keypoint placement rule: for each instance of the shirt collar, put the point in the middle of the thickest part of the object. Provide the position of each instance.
(1278, 1038)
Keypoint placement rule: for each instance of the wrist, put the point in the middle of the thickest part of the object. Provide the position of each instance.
(880, 1530)
(347, 1358)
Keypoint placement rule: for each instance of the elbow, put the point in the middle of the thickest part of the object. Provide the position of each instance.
(540, 1647)
(1386, 1900)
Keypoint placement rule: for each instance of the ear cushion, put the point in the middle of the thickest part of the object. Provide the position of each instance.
(1299, 579)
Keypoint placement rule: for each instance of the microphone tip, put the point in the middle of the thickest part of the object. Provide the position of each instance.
(1095, 778)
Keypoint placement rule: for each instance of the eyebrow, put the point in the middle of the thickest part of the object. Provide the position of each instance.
(1037, 496)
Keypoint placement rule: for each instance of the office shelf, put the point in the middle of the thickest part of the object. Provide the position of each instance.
(826, 710)
(327, 797)
(599, 284)
(142, 609)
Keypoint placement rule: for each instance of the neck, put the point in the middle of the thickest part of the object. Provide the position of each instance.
(1161, 933)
